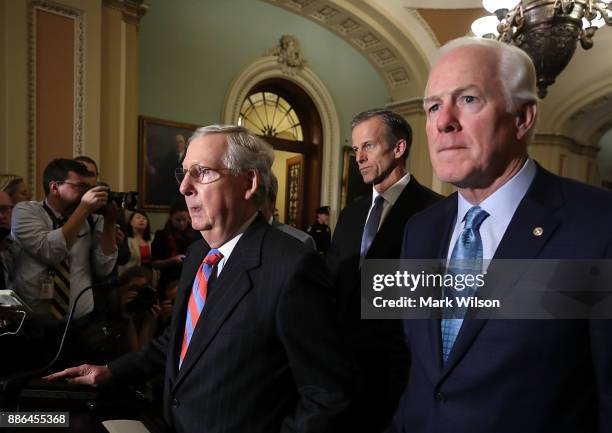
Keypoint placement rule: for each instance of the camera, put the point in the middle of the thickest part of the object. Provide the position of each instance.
(126, 200)
(143, 301)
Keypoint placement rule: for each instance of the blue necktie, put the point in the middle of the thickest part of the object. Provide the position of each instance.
(371, 227)
(466, 258)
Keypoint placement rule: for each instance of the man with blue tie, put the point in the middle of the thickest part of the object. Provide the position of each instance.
(254, 343)
(502, 376)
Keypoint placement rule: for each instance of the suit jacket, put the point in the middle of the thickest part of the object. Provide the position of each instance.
(301, 236)
(265, 355)
(540, 376)
(371, 340)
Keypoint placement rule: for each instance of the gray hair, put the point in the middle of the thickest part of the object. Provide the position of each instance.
(245, 151)
(396, 127)
(517, 73)
(272, 187)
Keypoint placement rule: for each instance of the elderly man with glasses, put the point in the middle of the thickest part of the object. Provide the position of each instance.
(253, 344)
(63, 243)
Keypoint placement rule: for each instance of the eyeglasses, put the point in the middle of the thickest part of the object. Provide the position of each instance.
(199, 173)
(81, 186)
(4, 209)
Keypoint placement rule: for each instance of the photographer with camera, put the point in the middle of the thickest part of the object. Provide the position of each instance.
(65, 241)
(140, 306)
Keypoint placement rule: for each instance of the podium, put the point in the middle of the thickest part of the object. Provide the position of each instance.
(87, 407)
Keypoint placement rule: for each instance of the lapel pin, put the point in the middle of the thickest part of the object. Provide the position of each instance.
(538, 231)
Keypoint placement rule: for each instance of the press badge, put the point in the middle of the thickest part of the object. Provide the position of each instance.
(46, 285)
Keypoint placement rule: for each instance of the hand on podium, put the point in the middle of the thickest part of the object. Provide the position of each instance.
(84, 374)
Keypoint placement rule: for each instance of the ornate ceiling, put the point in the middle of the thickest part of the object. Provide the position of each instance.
(400, 38)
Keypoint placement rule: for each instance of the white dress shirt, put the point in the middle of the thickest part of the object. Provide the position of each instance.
(227, 248)
(41, 246)
(390, 195)
(500, 206)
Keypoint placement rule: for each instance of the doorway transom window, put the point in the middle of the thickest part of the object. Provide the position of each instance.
(270, 115)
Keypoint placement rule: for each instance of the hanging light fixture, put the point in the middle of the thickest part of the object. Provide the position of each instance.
(547, 30)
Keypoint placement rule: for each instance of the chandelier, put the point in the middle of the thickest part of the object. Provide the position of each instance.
(547, 30)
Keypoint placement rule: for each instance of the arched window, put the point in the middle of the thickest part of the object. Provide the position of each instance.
(270, 115)
(284, 115)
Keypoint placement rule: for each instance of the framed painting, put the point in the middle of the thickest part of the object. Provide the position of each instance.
(352, 182)
(161, 148)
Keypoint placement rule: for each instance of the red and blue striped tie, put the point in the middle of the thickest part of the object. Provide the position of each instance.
(197, 299)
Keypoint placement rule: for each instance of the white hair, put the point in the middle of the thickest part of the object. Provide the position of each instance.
(245, 151)
(517, 73)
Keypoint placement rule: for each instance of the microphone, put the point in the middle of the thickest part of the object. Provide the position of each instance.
(11, 385)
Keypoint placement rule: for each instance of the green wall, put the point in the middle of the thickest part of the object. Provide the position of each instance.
(190, 50)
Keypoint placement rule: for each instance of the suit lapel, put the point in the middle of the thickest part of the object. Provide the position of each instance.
(357, 217)
(402, 210)
(444, 221)
(361, 215)
(537, 209)
(230, 287)
(426, 333)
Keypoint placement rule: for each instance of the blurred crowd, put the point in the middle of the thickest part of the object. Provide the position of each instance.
(135, 280)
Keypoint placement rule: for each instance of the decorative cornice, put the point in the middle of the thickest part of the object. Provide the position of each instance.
(132, 11)
(415, 13)
(395, 71)
(566, 143)
(407, 106)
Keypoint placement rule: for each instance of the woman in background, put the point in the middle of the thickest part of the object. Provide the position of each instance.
(171, 243)
(138, 230)
(15, 187)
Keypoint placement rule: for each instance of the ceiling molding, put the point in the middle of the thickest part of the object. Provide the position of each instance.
(408, 107)
(425, 25)
(132, 11)
(441, 4)
(583, 115)
(385, 43)
(565, 142)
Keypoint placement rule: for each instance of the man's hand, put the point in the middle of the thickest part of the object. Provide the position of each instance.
(85, 374)
(94, 199)
(128, 296)
(153, 312)
(166, 310)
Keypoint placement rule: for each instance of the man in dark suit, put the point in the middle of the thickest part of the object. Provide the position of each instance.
(479, 375)
(264, 353)
(371, 228)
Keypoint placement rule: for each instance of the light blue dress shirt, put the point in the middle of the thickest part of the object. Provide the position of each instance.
(501, 206)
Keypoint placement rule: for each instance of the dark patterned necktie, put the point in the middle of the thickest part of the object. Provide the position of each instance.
(371, 227)
(60, 303)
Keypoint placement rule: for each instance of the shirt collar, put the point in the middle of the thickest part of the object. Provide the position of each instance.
(58, 215)
(393, 192)
(227, 248)
(503, 203)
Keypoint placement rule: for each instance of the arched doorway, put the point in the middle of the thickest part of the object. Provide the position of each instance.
(285, 116)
